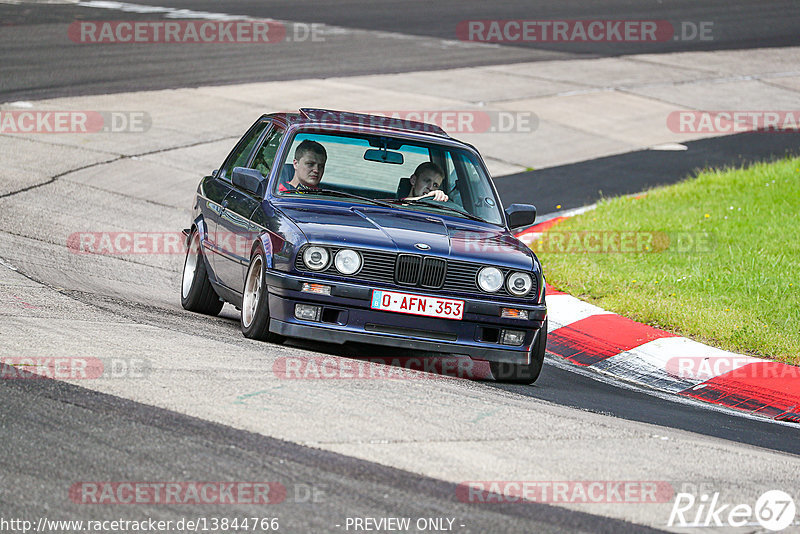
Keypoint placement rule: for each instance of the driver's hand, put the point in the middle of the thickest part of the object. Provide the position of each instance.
(438, 195)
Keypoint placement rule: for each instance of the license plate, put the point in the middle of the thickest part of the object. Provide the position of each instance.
(417, 304)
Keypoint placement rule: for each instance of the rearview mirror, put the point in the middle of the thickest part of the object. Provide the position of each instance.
(384, 156)
(519, 215)
(385, 142)
(250, 180)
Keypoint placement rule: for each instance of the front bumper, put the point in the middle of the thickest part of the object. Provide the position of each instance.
(346, 316)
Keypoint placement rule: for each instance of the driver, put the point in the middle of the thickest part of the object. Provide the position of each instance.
(426, 181)
(309, 165)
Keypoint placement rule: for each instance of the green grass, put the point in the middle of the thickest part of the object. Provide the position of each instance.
(739, 290)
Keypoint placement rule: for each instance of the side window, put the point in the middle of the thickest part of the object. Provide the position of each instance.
(265, 157)
(240, 154)
(479, 191)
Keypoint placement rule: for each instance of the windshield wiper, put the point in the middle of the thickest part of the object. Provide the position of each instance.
(334, 192)
(435, 204)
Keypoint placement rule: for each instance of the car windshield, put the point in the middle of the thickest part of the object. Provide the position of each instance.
(391, 170)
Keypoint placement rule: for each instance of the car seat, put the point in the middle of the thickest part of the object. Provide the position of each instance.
(404, 188)
(287, 173)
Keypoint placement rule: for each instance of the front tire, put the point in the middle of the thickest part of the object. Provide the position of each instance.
(255, 301)
(526, 373)
(197, 295)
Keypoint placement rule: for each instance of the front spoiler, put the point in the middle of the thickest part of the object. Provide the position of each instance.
(330, 335)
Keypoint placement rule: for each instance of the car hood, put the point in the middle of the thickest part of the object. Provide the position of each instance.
(400, 230)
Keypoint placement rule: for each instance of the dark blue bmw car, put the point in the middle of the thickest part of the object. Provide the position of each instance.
(337, 227)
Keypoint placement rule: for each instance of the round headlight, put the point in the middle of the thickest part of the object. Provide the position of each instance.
(315, 258)
(347, 261)
(519, 284)
(490, 279)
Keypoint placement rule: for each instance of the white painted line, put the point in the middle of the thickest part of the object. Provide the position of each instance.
(7, 265)
(532, 236)
(677, 147)
(673, 363)
(647, 364)
(563, 310)
(566, 213)
(20, 104)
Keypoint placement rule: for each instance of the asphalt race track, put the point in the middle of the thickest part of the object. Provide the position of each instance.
(65, 421)
(362, 37)
(208, 406)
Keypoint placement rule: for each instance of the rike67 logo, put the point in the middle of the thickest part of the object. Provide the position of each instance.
(774, 510)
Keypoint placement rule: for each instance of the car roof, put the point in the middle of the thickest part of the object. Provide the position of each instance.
(329, 117)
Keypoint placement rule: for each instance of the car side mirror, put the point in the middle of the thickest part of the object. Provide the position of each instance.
(250, 180)
(519, 215)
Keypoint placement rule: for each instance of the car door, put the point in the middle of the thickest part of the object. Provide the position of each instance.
(220, 188)
(210, 196)
(234, 230)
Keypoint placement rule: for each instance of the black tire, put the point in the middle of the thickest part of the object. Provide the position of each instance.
(255, 301)
(526, 373)
(197, 294)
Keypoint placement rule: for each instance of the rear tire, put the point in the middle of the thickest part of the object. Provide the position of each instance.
(197, 294)
(512, 373)
(255, 301)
